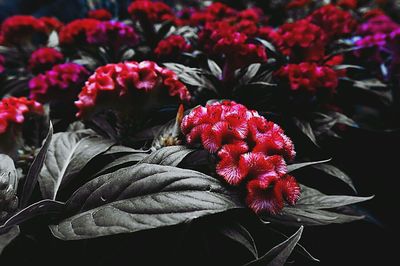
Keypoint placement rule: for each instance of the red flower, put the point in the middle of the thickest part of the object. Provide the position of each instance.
(172, 46)
(334, 21)
(249, 148)
(14, 111)
(308, 77)
(297, 4)
(2, 61)
(62, 82)
(100, 14)
(350, 4)
(155, 12)
(112, 34)
(302, 41)
(51, 23)
(124, 85)
(75, 32)
(44, 58)
(271, 199)
(18, 29)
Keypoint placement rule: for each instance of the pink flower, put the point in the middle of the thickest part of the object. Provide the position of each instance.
(250, 150)
(128, 85)
(44, 59)
(75, 32)
(155, 12)
(62, 82)
(13, 111)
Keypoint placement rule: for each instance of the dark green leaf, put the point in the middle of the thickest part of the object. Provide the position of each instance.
(142, 197)
(34, 170)
(8, 173)
(278, 255)
(68, 153)
(295, 166)
(336, 172)
(306, 128)
(251, 71)
(7, 236)
(340, 67)
(239, 234)
(171, 155)
(121, 162)
(117, 149)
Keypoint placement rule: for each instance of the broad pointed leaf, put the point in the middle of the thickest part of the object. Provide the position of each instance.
(239, 234)
(7, 236)
(336, 172)
(295, 166)
(171, 155)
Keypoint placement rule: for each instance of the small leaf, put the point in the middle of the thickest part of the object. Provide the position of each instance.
(142, 197)
(128, 55)
(251, 71)
(171, 156)
(295, 166)
(239, 234)
(34, 170)
(214, 68)
(7, 236)
(278, 255)
(336, 172)
(68, 153)
(306, 128)
(117, 149)
(340, 67)
(39, 208)
(53, 40)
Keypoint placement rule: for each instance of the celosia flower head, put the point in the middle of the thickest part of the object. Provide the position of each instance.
(172, 46)
(18, 29)
(76, 32)
(125, 85)
(250, 151)
(44, 58)
(155, 12)
(100, 14)
(62, 82)
(13, 111)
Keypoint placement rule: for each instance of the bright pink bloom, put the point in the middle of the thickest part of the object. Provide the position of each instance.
(62, 82)
(14, 111)
(335, 22)
(172, 46)
(250, 150)
(126, 85)
(18, 29)
(44, 59)
(377, 24)
(370, 47)
(271, 199)
(100, 14)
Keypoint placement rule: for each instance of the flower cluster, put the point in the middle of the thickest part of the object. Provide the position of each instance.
(308, 77)
(113, 34)
(13, 111)
(172, 46)
(51, 23)
(75, 32)
(154, 12)
(100, 14)
(113, 85)
(18, 29)
(44, 59)
(334, 21)
(250, 149)
(61, 83)
(301, 41)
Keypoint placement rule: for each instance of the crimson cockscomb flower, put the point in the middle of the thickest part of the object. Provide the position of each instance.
(334, 21)
(44, 59)
(155, 12)
(309, 77)
(129, 85)
(112, 34)
(172, 46)
(250, 150)
(13, 111)
(301, 41)
(75, 32)
(100, 14)
(62, 82)
(18, 29)
(51, 23)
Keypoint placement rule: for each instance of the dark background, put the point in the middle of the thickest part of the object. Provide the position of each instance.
(370, 158)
